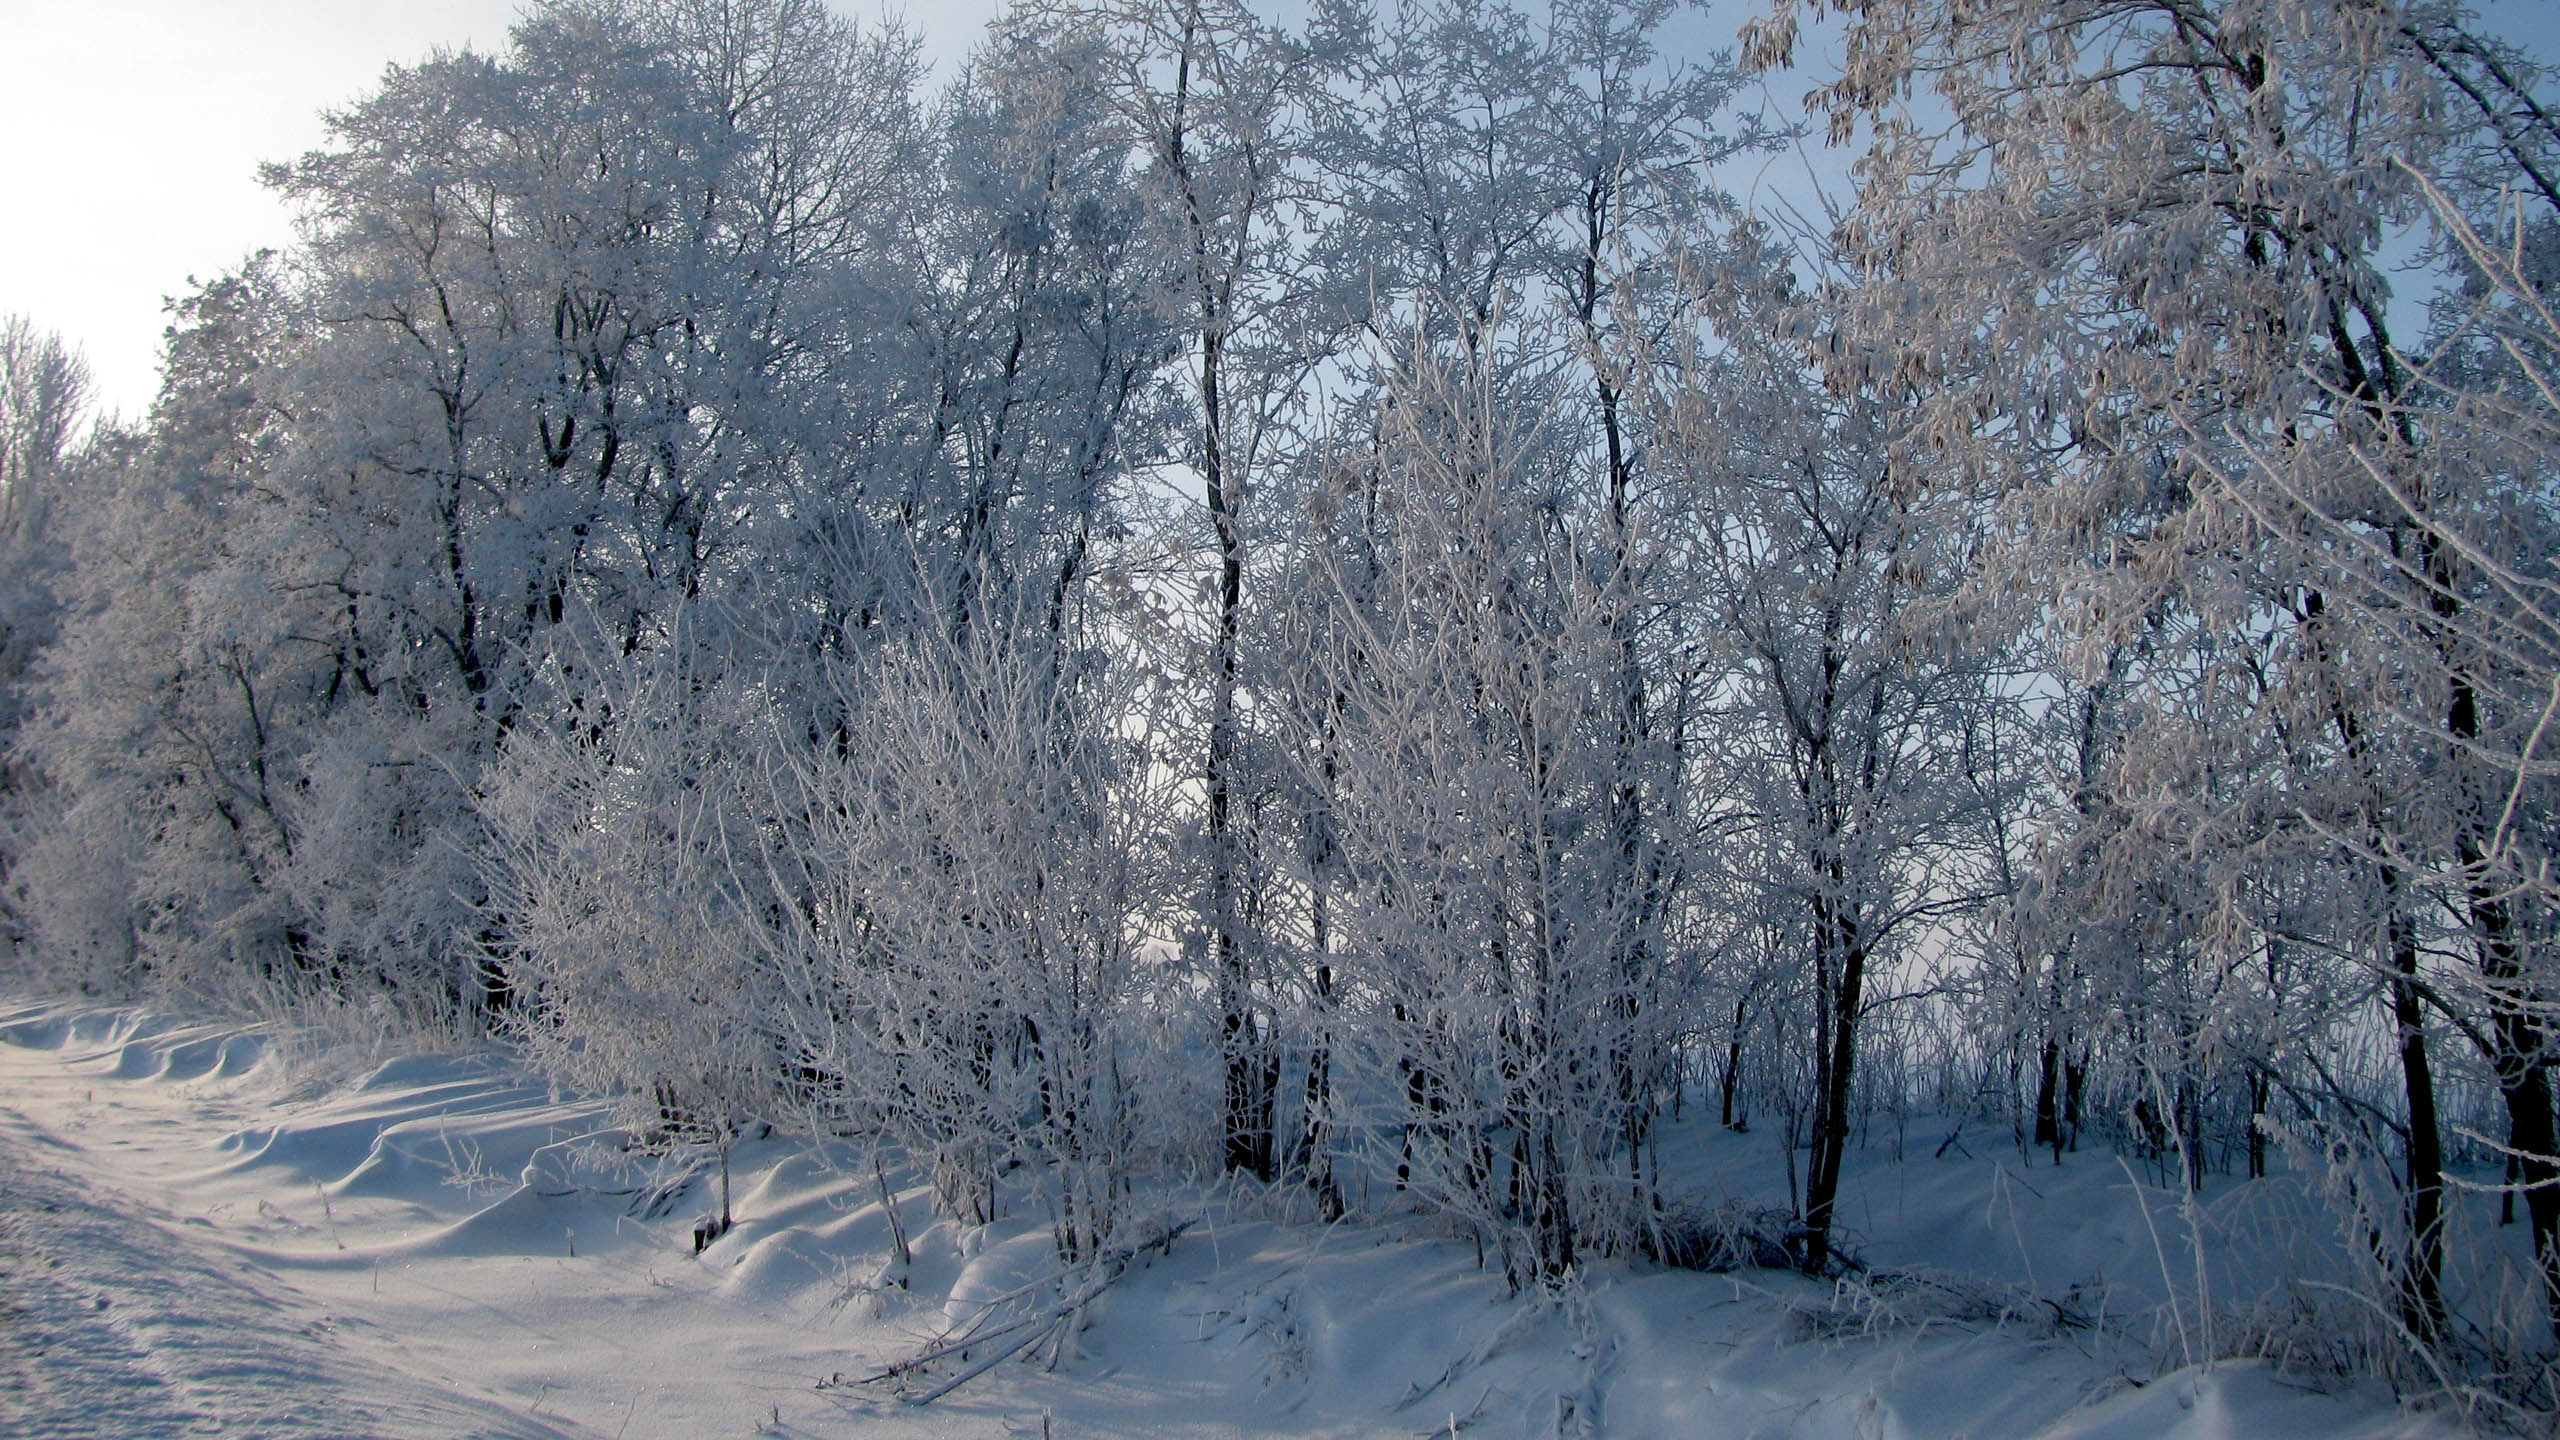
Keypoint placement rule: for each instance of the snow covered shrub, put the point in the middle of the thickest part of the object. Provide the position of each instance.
(985, 851)
(1866, 1302)
(628, 903)
(1689, 1235)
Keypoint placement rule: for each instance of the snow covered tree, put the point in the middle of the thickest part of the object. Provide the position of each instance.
(1535, 157)
(1825, 558)
(579, 300)
(2137, 266)
(44, 393)
(169, 715)
(1464, 657)
(1215, 99)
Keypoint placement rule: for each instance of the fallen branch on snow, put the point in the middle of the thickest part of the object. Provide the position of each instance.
(1002, 1335)
(1513, 1330)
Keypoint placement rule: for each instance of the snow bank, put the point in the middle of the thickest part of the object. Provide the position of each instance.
(479, 1256)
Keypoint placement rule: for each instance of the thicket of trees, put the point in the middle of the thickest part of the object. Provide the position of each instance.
(1317, 602)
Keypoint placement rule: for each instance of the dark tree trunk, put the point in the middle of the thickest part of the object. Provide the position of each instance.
(1314, 1161)
(2258, 1094)
(1733, 1062)
(2422, 1297)
(2075, 1075)
(1250, 1077)
(1840, 934)
(2524, 1082)
(2049, 1098)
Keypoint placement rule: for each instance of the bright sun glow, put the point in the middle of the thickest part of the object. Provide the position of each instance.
(134, 131)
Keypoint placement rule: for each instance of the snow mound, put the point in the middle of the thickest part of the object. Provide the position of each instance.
(126, 1044)
(2238, 1400)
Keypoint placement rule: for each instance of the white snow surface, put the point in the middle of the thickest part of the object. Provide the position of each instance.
(197, 1238)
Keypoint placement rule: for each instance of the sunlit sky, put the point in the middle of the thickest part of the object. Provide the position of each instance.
(131, 132)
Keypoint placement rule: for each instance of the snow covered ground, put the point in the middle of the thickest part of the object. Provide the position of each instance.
(197, 1238)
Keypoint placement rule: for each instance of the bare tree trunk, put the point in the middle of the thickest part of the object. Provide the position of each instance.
(1247, 1128)
(2049, 1097)
(1251, 1077)
(2422, 1298)
(2524, 1081)
(1316, 1107)
(1733, 1062)
(1841, 998)
(1313, 1159)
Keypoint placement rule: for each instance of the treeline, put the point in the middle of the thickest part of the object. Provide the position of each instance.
(1317, 601)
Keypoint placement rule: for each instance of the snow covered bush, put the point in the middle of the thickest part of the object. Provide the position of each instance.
(985, 855)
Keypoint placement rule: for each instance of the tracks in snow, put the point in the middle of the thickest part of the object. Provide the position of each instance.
(115, 1320)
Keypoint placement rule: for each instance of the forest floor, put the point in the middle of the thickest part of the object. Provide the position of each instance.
(197, 1237)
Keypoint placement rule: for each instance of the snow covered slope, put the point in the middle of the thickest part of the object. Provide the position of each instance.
(195, 1240)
